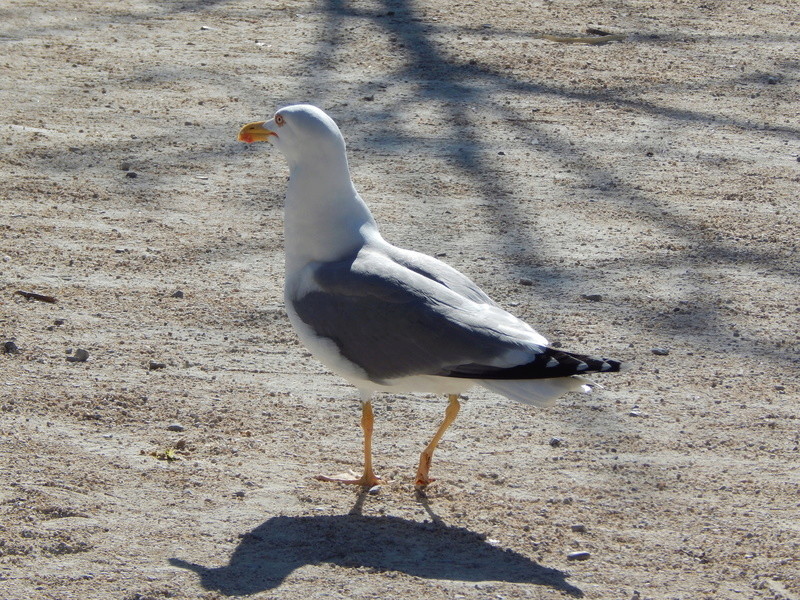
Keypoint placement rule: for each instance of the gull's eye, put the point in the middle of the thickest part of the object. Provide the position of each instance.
(279, 120)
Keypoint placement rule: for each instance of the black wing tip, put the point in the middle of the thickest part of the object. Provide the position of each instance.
(550, 363)
(609, 365)
(578, 364)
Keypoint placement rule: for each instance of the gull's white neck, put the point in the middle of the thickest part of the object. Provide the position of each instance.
(325, 218)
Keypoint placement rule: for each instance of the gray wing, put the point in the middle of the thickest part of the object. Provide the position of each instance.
(439, 272)
(396, 322)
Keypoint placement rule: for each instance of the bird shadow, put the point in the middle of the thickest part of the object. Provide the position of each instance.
(268, 554)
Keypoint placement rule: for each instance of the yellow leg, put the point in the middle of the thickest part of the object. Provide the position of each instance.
(368, 479)
(367, 423)
(427, 455)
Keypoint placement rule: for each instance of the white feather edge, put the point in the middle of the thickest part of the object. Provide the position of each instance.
(538, 392)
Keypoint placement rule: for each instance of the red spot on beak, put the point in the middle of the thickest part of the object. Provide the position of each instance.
(246, 138)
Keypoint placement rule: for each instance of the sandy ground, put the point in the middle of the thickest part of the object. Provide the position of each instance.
(659, 173)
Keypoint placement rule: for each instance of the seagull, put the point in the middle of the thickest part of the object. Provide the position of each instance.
(388, 319)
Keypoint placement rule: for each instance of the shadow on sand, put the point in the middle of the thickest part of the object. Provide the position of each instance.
(269, 553)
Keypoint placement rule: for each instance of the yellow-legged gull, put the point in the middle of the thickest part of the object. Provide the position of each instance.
(388, 319)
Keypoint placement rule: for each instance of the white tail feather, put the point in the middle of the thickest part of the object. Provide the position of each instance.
(539, 392)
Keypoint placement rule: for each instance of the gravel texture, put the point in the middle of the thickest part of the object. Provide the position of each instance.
(626, 197)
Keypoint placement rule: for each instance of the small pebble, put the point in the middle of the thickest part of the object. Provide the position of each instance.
(578, 528)
(153, 366)
(175, 427)
(177, 294)
(10, 348)
(660, 351)
(131, 175)
(592, 297)
(580, 555)
(80, 355)
(555, 442)
(526, 281)
(374, 490)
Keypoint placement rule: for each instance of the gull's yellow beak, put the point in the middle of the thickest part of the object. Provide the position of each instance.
(255, 132)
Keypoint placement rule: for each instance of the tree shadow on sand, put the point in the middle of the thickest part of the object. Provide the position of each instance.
(272, 551)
